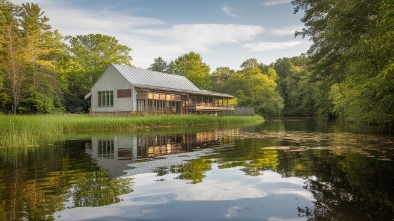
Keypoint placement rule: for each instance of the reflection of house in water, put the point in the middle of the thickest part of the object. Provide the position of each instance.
(114, 153)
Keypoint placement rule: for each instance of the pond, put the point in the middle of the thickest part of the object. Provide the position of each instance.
(282, 169)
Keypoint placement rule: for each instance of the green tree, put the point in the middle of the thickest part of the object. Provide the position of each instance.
(219, 78)
(256, 89)
(12, 55)
(88, 57)
(42, 47)
(159, 65)
(352, 48)
(191, 66)
(302, 94)
(27, 61)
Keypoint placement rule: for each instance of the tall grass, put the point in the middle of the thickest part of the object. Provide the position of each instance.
(18, 131)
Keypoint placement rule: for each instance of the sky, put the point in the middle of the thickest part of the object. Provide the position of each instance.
(224, 32)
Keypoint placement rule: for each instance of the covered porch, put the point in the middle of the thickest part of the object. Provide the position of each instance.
(152, 101)
(211, 103)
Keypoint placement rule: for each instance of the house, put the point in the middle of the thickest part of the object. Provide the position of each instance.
(124, 90)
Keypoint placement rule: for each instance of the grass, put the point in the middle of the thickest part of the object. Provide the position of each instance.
(29, 130)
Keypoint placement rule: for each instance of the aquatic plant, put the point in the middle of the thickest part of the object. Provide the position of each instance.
(28, 130)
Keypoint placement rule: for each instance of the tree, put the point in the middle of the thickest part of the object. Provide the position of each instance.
(191, 66)
(220, 77)
(159, 65)
(302, 94)
(255, 89)
(88, 57)
(41, 46)
(28, 49)
(352, 48)
(12, 54)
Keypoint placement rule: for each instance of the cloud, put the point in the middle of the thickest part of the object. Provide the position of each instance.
(173, 41)
(229, 11)
(200, 36)
(75, 21)
(286, 31)
(276, 2)
(270, 46)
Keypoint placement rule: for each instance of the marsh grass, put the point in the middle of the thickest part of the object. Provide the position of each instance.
(30, 130)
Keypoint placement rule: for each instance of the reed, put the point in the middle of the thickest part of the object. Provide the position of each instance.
(30, 130)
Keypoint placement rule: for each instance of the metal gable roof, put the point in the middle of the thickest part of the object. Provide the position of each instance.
(142, 77)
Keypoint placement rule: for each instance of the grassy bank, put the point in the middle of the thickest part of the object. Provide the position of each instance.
(30, 130)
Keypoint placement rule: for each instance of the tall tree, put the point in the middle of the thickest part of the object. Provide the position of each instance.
(27, 61)
(159, 65)
(191, 66)
(88, 57)
(12, 55)
(353, 48)
(40, 45)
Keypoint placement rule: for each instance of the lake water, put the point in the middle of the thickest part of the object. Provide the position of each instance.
(283, 169)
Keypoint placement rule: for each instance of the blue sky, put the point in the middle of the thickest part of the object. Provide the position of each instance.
(224, 32)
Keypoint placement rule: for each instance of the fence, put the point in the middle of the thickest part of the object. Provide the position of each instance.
(243, 111)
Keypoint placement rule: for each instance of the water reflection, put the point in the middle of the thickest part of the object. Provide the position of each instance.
(293, 169)
(115, 153)
(37, 182)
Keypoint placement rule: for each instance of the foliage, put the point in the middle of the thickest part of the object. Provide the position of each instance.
(353, 49)
(191, 66)
(88, 57)
(28, 52)
(159, 65)
(303, 95)
(219, 78)
(255, 89)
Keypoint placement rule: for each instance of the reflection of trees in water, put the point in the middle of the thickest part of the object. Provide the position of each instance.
(35, 183)
(96, 189)
(346, 187)
(249, 155)
(194, 170)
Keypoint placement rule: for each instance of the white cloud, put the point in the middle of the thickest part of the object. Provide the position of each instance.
(269, 46)
(286, 31)
(276, 2)
(229, 11)
(174, 41)
(76, 22)
(201, 36)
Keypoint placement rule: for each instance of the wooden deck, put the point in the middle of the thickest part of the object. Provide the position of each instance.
(207, 107)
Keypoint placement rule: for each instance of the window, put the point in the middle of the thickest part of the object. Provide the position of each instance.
(124, 93)
(105, 98)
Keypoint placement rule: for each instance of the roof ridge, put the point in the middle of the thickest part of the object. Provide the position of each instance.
(155, 78)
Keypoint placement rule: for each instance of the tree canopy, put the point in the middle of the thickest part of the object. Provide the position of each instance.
(353, 48)
(28, 51)
(192, 67)
(87, 58)
(159, 65)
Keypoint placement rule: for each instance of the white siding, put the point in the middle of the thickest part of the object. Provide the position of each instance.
(112, 80)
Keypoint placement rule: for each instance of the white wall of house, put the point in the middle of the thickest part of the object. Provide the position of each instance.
(112, 80)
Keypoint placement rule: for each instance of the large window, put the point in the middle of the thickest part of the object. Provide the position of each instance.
(105, 98)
